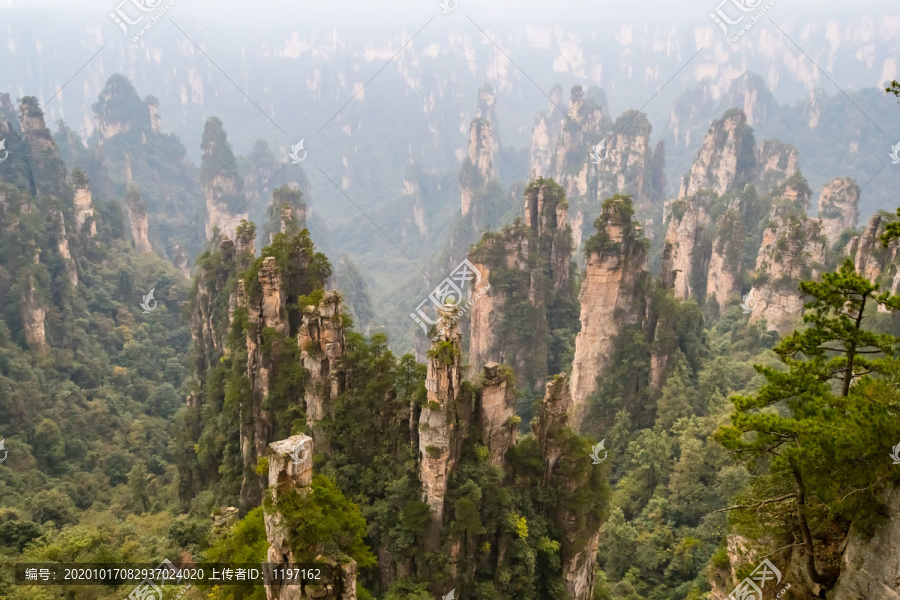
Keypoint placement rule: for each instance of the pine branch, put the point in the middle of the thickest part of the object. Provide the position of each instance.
(779, 550)
(880, 479)
(756, 506)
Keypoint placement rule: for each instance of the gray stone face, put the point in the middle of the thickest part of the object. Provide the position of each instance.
(291, 469)
(870, 568)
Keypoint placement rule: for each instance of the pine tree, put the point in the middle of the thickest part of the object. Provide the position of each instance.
(817, 427)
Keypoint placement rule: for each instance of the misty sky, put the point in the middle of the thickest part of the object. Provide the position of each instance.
(375, 12)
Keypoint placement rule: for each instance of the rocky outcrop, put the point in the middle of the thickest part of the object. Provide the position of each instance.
(321, 342)
(545, 136)
(8, 111)
(219, 215)
(478, 166)
(245, 243)
(287, 213)
(153, 111)
(793, 249)
(873, 261)
(46, 166)
(496, 410)
(483, 160)
(775, 163)
(33, 315)
(612, 296)
(119, 109)
(534, 259)
(555, 414)
(140, 232)
(83, 204)
(487, 110)
(62, 245)
(290, 471)
(723, 282)
(487, 313)
(541, 149)
(838, 207)
(414, 224)
(265, 311)
(545, 217)
(209, 333)
(580, 530)
(583, 118)
(593, 158)
(869, 566)
(795, 189)
(726, 160)
(246, 312)
(630, 163)
(223, 189)
(441, 423)
(688, 218)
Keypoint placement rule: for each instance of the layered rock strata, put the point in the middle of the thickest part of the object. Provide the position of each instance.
(726, 159)
(838, 207)
(496, 411)
(793, 249)
(441, 423)
(580, 529)
(321, 342)
(534, 259)
(290, 471)
(613, 296)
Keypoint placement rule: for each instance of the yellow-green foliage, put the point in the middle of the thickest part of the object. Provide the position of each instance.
(245, 543)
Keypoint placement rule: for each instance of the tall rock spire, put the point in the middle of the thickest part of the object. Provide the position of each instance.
(441, 422)
(223, 188)
(613, 296)
(838, 207)
(726, 159)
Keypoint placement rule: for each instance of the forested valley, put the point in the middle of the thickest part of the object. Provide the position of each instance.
(631, 395)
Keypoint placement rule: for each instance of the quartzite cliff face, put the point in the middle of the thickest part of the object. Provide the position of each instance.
(726, 159)
(572, 471)
(793, 249)
(593, 157)
(483, 160)
(874, 261)
(223, 189)
(442, 423)
(290, 471)
(838, 207)
(321, 342)
(528, 267)
(613, 297)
